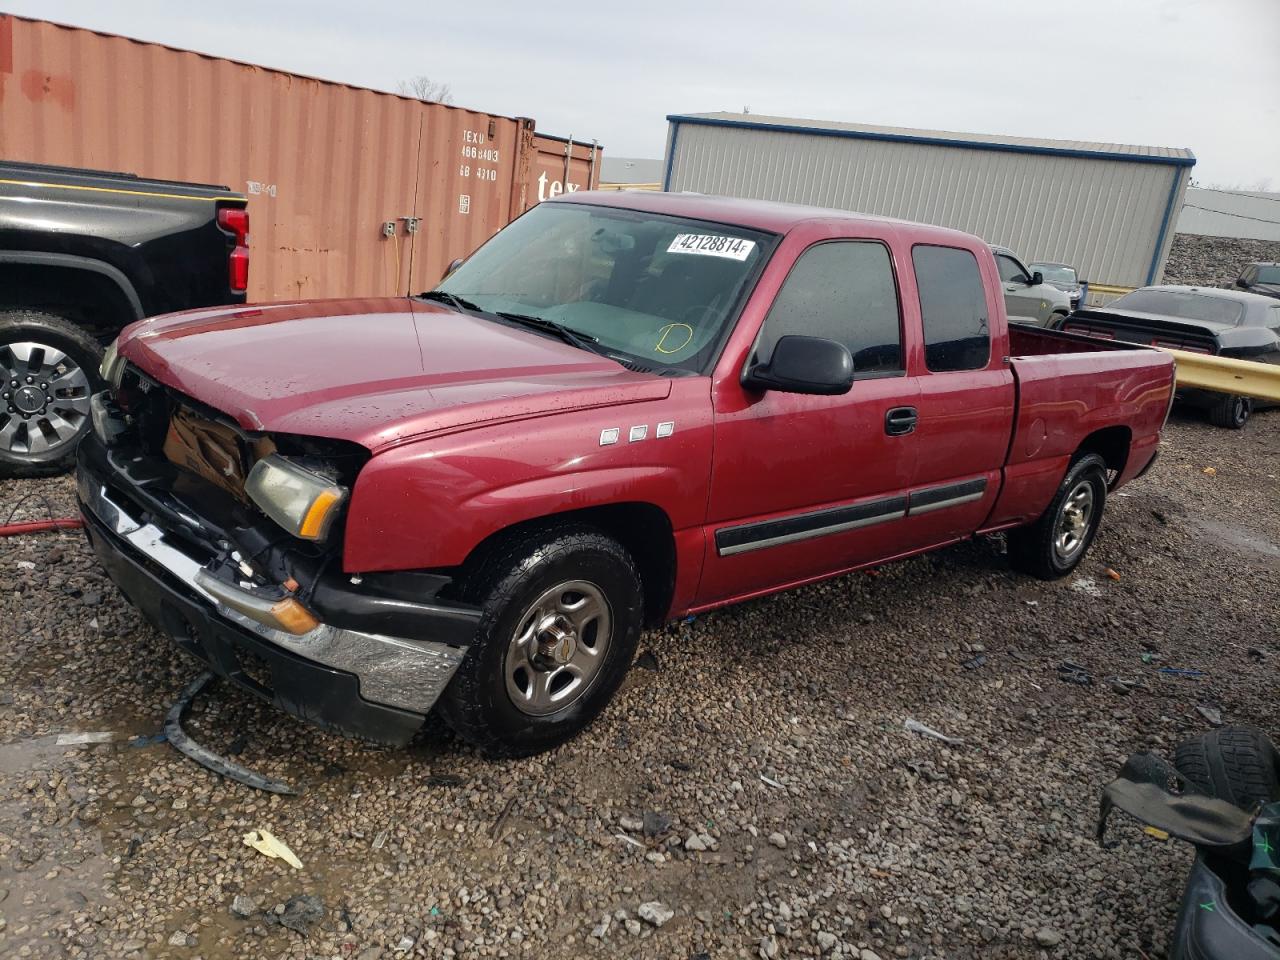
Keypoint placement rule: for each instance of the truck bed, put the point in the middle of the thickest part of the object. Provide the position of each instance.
(1070, 387)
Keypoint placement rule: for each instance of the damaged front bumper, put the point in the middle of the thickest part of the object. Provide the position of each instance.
(368, 684)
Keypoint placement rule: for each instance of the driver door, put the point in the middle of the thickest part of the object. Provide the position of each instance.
(803, 486)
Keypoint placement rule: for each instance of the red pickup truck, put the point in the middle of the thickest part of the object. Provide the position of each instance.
(622, 409)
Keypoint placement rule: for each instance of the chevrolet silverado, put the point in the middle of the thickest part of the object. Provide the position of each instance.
(623, 409)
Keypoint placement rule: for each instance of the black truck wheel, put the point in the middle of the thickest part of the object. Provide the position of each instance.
(1231, 412)
(1056, 543)
(49, 369)
(562, 609)
(1236, 764)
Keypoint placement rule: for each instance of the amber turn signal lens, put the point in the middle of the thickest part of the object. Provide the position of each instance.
(293, 616)
(313, 522)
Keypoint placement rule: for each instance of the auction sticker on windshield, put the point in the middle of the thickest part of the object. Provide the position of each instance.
(712, 245)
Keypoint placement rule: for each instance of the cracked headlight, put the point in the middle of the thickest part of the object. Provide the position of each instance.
(302, 502)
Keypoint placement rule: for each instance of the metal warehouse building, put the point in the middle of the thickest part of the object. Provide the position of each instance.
(1105, 208)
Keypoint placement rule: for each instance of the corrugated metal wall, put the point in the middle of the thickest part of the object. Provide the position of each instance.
(1103, 216)
(1231, 213)
(324, 164)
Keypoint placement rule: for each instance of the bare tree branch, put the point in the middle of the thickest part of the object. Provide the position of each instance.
(424, 88)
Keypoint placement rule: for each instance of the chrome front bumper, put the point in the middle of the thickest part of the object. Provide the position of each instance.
(407, 674)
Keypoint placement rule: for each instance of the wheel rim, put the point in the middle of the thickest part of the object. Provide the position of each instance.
(1239, 410)
(558, 648)
(45, 399)
(1073, 521)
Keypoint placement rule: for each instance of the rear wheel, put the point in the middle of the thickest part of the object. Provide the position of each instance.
(48, 370)
(1231, 412)
(562, 609)
(1055, 544)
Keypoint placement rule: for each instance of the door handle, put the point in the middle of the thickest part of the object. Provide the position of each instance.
(900, 421)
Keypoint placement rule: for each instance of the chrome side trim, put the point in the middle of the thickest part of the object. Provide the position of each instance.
(398, 672)
(949, 502)
(810, 534)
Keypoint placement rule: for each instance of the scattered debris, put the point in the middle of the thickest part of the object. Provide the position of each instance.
(1211, 714)
(1156, 832)
(1150, 657)
(625, 839)
(976, 662)
(179, 938)
(266, 843)
(647, 661)
(499, 825)
(406, 944)
(771, 782)
(379, 840)
(915, 726)
(1074, 673)
(631, 823)
(1210, 471)
(1112, 574)
(1257, 653)
(1122, 686)
(301, 911)
(149, 739)
(71, 739)
(1182, 672)
(179, 740)
(243, 906)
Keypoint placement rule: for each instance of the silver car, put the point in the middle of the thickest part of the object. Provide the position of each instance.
(1027, 297)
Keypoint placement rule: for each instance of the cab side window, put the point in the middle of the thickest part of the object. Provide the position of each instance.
(1011, 270)
(843, 290)
(953, 309)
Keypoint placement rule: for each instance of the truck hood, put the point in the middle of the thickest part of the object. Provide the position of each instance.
(372, 371)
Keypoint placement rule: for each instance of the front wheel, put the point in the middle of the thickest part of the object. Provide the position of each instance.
(561, 616)
(1055, 544)
(1231, 412)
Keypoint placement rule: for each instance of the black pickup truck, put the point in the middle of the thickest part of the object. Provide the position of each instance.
(83, 254)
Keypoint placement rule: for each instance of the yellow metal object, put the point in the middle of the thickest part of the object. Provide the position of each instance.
(1227, 375)
(1155, 832)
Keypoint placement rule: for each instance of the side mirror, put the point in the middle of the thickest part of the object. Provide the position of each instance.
(1242, 283)
(799, 364)
(1037, 278)
(452, 267)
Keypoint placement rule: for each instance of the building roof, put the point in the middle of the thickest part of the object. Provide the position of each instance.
(630, 170)
(1177, 156)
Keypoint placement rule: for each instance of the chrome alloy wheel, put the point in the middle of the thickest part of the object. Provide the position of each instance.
(1073, 522)
(558, 648)
(44, 399)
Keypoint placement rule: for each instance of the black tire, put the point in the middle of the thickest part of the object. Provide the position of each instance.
(1236, 764)
(1056, 320)
(1034, 549)
(1231, 412)
(510, 578)
(72, 420)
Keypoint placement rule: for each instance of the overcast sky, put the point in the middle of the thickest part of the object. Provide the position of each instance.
(1203, 74)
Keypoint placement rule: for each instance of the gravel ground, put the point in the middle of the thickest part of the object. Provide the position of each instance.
(1214, 261)
(751, 793)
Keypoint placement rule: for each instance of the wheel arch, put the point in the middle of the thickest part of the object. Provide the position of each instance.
(100, 298)
(643, 529)
(1110, 443)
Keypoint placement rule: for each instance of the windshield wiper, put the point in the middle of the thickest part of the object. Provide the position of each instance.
(583, 341)
(453, 300)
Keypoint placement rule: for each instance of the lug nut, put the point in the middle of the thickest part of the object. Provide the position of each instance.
(31, 379)
(44, 386)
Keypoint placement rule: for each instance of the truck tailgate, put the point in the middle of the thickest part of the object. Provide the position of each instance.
(1069, 388)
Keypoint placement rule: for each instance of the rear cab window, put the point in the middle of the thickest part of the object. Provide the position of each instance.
(844, 290)
(953, 309)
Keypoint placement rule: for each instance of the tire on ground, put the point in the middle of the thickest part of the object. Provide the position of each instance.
(1236, 764)
(1031, 548)
(1231, 412)
(505, 582)
(49, 330)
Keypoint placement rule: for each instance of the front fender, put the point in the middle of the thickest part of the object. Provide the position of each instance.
(429, 503)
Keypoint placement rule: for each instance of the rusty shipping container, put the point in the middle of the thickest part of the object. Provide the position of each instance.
(352, 192)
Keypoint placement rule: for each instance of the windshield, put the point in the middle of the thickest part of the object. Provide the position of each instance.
(1269, 275)
(1053, 273)
(1187, 306)
(653, 287)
